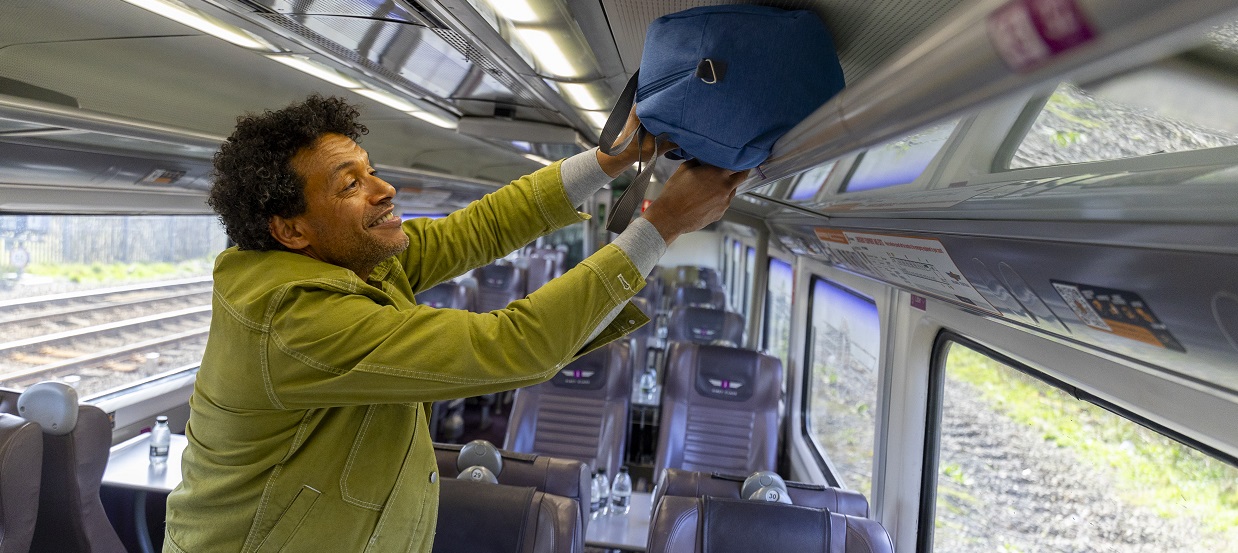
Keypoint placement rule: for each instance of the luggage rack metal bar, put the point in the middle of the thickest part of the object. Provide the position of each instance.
(955, 69)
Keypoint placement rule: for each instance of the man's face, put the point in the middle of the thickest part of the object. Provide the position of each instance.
(350, 219)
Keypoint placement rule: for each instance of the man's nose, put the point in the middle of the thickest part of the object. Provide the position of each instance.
(383, 191)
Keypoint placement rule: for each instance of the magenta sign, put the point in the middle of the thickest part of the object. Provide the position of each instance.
(1026, 33)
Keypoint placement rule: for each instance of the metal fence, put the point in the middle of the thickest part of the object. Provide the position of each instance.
(63, 239)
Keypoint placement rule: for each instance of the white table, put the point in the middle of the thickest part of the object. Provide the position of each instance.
(128, 467)
(629, 532)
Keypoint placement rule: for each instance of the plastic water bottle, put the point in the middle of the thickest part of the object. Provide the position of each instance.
(648, 382)
(160, 438)
(621, 493)
(603, 491)
(595, 496)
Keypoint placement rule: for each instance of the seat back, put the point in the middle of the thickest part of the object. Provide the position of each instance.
(566, 478)
(21, 467)
(538, 271)
(447, 295)
(76, 443)
(652, 292)
(8, 401)
(704, 325)
(709, 278)
(694, 276)
(504, 519)
(719, 410)
(692, 296)
(557, 258)
(581, 413)
(497, 286)
(688, 483)
(703, 525)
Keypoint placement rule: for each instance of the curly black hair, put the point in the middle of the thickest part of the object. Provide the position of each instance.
(253, 176)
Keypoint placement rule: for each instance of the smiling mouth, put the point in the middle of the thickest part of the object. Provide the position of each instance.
(390, 216)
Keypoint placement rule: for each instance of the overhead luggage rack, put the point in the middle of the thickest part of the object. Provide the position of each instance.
(961, 66)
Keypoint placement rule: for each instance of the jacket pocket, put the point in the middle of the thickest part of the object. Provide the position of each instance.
(377, 454)
(290, 521)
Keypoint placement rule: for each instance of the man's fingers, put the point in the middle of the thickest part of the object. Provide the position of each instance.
(739, 177)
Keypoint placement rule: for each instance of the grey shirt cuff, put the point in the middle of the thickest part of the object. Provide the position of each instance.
(642, 243)
(582, 176)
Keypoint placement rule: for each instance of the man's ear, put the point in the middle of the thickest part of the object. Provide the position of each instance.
(288, 232)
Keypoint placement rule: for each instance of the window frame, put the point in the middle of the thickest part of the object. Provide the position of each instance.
(926, 522)
(817, 450)
(765, 310)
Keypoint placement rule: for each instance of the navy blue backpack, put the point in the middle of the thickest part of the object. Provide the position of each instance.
(724, 83)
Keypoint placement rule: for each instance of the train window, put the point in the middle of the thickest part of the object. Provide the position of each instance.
(842, 387)
(750, 273)
(809, 182)
(777, 339)
(1024, 466)
(1152, 111)
(898, 162)
(732, 295)
(103, 302)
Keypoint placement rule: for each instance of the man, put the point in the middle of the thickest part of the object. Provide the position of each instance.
(307, 427)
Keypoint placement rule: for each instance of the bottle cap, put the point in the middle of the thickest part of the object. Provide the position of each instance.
(601, 470)
(161, 418)
(624, 468)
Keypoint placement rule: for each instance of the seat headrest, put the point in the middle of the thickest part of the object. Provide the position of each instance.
(439, 296)
(586, 373)
(51, 405)
(728, 374)
(495, 276)
(692, 296)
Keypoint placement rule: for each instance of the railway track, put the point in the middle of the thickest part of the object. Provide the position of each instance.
(102, 338)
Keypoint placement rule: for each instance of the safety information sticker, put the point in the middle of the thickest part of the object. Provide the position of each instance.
(918, 263)
(1117, 312)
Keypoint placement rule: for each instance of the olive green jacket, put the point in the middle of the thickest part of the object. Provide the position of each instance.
(307, 427)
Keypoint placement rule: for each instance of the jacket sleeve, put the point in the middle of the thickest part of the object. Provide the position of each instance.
(330, 347)
(487, 229)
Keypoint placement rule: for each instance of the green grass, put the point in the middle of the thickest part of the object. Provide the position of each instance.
(89, 273)
(1150, 469)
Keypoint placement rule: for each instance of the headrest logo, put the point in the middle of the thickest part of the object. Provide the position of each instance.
(579, 378)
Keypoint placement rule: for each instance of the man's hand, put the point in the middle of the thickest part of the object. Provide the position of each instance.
(695, 196)
(616, 164)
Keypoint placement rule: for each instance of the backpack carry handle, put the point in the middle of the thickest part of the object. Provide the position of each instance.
(623, 210)
(618, 117)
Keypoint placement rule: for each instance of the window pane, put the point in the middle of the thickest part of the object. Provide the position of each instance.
(1025, 467)
(899, 162)
(810, 181)
(750, 268)
(778, 311)
(64, 279)
(732, 295)
(843, 389)
(1148, 112)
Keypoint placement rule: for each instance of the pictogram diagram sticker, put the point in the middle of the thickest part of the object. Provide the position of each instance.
(1117, 312)
(920, 264)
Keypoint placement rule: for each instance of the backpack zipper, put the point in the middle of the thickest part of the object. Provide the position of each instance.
(664, 82)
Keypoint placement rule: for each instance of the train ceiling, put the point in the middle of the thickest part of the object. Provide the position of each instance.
(455, 92)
